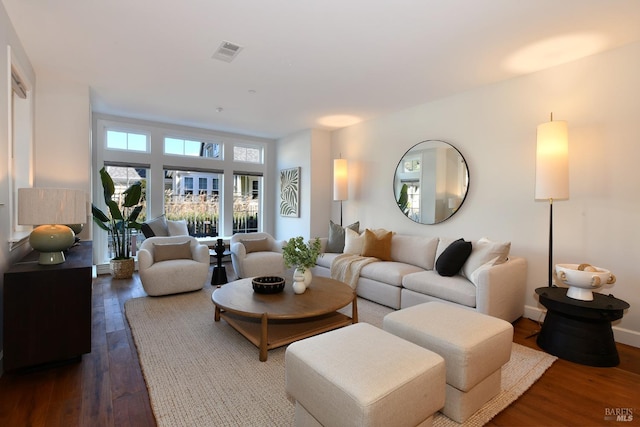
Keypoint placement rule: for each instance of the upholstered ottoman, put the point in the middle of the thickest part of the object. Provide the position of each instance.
(360, 375)
(474, 347)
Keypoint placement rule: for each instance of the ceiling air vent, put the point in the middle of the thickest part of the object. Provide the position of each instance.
(227, 51)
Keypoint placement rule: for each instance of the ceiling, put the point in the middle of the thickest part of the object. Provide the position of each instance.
(304, 64)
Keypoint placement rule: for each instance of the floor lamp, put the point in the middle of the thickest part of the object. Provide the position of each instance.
(340, 182)
(552, 171)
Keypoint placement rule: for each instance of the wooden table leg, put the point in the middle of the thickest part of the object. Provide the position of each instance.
(216, 315)
(263, 338)
(354, 309)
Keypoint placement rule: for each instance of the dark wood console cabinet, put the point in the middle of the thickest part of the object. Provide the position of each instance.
(47, 309)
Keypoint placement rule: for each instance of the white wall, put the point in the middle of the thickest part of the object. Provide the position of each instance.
(309, 150)
(494, 127)
(8, 37)
(63, 136)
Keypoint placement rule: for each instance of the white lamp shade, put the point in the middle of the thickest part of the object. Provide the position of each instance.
(340, 179)
(552, 161)
(37, 206)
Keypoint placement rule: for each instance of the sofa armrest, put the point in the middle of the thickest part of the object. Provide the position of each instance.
(276, 245)
(238, 250)
(501, 289)
(200, 253)
(323, 244)
(145, 259)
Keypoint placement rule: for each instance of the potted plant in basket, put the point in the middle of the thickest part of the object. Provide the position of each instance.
(302, 256)
(119, 223)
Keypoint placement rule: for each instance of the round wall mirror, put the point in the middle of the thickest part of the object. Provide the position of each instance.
(431, 182)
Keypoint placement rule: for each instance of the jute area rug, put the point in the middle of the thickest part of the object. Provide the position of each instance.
(204, 373)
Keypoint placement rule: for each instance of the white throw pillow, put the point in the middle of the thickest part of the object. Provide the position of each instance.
(353, 242)
(177, 228)
(483, 251)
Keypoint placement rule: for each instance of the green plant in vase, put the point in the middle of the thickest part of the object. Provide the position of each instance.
(119, 223)
(302, 256)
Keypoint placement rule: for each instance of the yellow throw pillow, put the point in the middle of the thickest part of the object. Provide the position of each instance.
(377, 245)
(167, 251)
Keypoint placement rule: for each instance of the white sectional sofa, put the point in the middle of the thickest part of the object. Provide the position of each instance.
(490, 281)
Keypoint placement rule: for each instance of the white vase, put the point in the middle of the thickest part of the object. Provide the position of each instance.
(298, 285)
(306, 275)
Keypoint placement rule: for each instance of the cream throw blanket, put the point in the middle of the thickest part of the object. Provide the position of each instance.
(346, 268)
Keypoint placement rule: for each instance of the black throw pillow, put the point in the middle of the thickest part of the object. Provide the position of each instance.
(453, 258)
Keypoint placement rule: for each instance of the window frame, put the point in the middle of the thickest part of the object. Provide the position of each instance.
(20, 157)
(127, 131)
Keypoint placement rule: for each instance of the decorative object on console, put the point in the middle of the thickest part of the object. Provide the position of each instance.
(290, 192)
(302, 256)
(340, 182)
(552, 171)
(122, 218)
(49, 209)
(422, 173)
(582, 279)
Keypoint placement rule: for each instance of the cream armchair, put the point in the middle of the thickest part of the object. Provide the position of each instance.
(169, 265)
(256, 254)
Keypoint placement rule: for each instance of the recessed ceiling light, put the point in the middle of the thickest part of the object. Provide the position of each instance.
(252, 91)
(219, 110)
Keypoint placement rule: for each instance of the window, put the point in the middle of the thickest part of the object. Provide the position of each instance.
(202, 185)
(187, 187)
(201, 209)
(187, 147)
(246, 203)
(186, 175)
(117, 140)
(20, 147)
(242, 153)
(123, 177)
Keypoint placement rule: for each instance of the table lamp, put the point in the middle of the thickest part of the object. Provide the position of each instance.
(48, 209)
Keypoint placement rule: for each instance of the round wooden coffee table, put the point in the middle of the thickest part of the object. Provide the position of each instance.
(273, 320)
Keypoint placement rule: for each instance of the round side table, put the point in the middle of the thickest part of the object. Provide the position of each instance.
(580, 331)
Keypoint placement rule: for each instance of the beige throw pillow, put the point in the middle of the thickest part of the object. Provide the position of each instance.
(483, 251)
(167, 251)
(256, 245)
(353, 242)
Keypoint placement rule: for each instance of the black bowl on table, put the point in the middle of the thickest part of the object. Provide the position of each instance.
(268, 284)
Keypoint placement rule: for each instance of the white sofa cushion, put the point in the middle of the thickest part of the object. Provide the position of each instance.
(415, 250)
(326, 259)
(388, 271)
(455, 289)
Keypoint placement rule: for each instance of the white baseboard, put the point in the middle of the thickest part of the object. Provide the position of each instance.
(621, 335)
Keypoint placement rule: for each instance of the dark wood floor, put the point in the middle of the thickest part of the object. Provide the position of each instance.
(107, 388)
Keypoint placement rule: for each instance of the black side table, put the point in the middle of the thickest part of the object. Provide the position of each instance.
(580, 331)
(219, 275)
